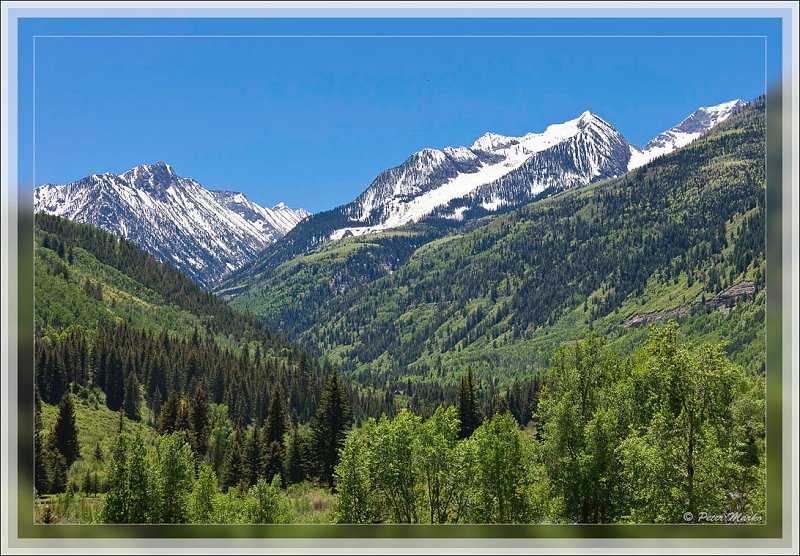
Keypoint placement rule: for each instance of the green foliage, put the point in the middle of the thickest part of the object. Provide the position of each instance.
(41, 475)
(441, 466)
(406, 470)
(265, 503)
(174, 476)
(330, 426)
(296, 462)
(221, 430)
(65, 431)
(132, 400)
(391, 460)
(233, 468)
(499, 476)
(199, 421)
(695, 441)
(469, 410)
(353, 480)
(500, 296)
(202, 497)
(675, 427)
(151, 324)
(580, 429)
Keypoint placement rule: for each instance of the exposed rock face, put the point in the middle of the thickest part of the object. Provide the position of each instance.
(723, 301)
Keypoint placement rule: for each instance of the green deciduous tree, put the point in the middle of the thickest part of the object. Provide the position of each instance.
(393, 468)
(174, 477)
(440, 469)
(352, 476)
(686, 451)
(221, 429)
(579, 430)
(202, 497)
(265, 504)
(500, 481)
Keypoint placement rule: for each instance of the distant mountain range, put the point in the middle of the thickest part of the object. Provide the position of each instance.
(681, 237)
(498, 171)
(456, 185)
(211, 234)
(204, 233)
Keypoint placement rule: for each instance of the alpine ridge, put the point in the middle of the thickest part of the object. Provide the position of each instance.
(204, 233)
(497, 172)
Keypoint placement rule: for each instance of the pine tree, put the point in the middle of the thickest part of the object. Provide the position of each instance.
(57, 470)
(131, 402)
(500, 404)
(330, 426)
(182, 417)
(156, 405)
(254, 453)
(278, 421)
(469, 409)
(295, 466)
(115, 381)
(199, 421)
(232, 468)
(65, 432)
(168, 414)
(41, 475)
(274, 460)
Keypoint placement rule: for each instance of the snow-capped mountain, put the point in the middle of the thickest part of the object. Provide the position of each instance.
(204, 233)
(493, 172)
(497, 171)
(684, 133)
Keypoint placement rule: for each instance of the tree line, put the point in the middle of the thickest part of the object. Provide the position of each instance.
(675, 427)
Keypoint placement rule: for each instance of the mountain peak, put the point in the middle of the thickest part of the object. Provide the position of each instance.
(157, 167)
(150, 176)
(688, 130)
(723, 107)
(204, 233)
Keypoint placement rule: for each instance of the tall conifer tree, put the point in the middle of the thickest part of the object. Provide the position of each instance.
(65, 432)
(469, 410)
(330, 426)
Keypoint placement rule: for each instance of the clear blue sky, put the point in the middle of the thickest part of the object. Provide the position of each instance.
(311, 121)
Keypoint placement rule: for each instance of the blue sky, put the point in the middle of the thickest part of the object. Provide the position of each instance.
(311, 121)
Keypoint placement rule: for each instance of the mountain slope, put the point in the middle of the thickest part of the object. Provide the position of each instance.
(685, 132)
(114, 299)
(675, 233)
(496, 173)
(204, 233)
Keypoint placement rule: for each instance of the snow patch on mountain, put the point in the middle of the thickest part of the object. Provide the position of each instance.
(688, 130)
(204, 233)
(431, 179)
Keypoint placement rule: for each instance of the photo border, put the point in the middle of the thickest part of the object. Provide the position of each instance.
(781, 173)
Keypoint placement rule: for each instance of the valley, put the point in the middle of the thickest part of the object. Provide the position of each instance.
(389, 362)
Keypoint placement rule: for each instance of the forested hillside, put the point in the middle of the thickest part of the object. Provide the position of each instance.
(129, 343)
(520, 369)
(666, 240)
